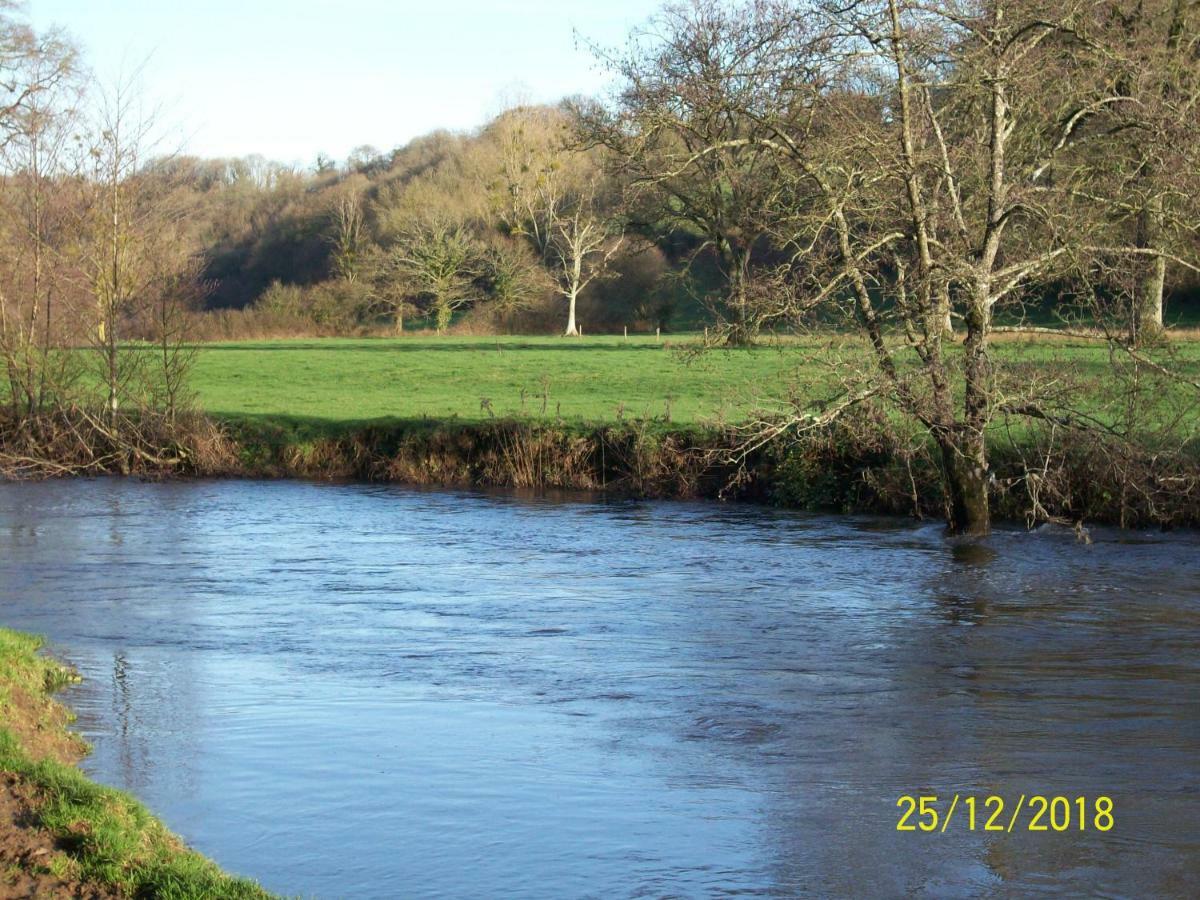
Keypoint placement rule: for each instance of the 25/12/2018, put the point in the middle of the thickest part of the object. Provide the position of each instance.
(1045, 813)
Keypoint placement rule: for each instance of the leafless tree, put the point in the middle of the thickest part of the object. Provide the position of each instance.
(1150, 54)
(681, 132)
(940, 159)
(37, 196)
(515, 278)
(137, 262)
(582, 244)
(348, 233)
(536, 168)
(436, 263)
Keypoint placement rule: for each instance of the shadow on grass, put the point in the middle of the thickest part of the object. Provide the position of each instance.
(389, 345)
(288, 429)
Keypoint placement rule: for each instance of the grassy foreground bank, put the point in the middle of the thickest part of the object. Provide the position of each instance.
(63, 835)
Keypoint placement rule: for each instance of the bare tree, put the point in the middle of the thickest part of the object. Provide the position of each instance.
(680, 132)
(348, 237)
(178, 293)
(1151, 55)
(515, 278)
(137, 261)
(536, 168)
(37, 197)
(941, 160)
(582, 244)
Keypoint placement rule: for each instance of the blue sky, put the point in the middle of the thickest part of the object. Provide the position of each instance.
(292, 78)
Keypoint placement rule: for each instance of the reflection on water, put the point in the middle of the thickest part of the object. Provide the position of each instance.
(365, 691)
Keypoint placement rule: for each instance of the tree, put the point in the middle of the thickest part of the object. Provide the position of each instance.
(514, 277)
(684, 133)
(37, 200)
(938, 159)
(347, 236)
(178, 293)
(135, 260)
(536, 167)
(437, 263)
(582, 244)
(1151, 55)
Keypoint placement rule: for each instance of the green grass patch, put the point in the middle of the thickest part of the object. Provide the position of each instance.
(313, 388)
(21, 667)
(472, 379)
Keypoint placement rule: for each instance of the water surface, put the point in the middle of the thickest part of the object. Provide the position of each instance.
(377, 692)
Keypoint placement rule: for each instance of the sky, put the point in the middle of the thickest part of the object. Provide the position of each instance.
(289, 79)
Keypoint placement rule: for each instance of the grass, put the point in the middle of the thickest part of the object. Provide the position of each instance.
(106, 836)
(331, 383)
(584, 380)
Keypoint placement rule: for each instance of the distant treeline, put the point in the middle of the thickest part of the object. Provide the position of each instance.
(498, 229)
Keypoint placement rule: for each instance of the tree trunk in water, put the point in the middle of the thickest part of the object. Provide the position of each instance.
(572, 329)
(967, 486)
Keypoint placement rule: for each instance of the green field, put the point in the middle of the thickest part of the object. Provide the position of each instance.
(332, 382)
(584, 380)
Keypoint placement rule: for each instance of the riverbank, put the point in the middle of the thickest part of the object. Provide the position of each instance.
(641, 418)
(866, 462)
(62, 835)
(862, 463)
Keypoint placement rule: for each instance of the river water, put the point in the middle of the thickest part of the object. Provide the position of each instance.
(376, 692)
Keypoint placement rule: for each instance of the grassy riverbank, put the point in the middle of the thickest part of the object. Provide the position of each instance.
(655, 418)
(64, 835)
(591, 379)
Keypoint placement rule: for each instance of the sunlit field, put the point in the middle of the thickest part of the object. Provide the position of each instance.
(586, 380)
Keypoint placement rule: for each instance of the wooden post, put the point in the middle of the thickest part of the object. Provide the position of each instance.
(627, 334)
(657, 337)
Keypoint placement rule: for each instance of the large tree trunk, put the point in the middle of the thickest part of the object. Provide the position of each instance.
(737, 262)
(739, 332)
(966, 475)
(572, 328)
(1148, 310)
(1147, 324)
(964, 453)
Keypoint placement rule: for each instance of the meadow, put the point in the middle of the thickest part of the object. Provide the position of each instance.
(470, 379)
(335, 382)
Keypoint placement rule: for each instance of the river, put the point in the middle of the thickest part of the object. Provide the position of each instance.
(349, 690)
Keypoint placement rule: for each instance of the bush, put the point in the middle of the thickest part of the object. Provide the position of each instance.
(337, 305)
